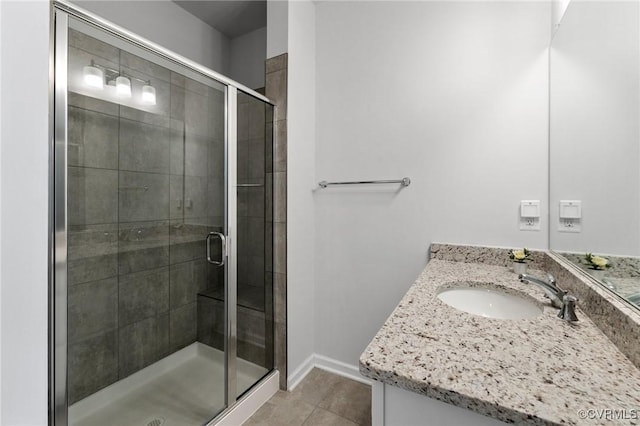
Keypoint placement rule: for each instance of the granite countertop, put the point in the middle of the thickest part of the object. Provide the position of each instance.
(529, 371)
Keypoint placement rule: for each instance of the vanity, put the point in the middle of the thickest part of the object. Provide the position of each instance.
(433, 364)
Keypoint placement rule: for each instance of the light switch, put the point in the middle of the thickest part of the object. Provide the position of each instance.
(530, 215)
(570, 216)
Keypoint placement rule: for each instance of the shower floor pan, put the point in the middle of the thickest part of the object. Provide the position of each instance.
(185, 388)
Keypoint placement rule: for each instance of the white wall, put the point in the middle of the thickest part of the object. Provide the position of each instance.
(451, 94)
(246, 58)
(301, 136)
(595, 64)
(558, 7)
(0, 215)
(24, 27)
(168, 25)
(277, 27)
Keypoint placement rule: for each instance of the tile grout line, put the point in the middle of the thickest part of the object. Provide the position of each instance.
(315, 407)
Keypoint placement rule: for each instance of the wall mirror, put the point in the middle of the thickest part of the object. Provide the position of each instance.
(594, 159)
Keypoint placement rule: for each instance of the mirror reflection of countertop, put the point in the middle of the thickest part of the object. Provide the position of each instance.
(625, 287)
(623, 278)
(541, 370)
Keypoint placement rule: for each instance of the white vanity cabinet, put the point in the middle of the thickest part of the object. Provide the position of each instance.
(392, 406)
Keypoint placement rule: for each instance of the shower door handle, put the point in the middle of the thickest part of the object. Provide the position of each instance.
(223, 244)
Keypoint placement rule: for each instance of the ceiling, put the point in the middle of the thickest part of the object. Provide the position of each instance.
(232, 18)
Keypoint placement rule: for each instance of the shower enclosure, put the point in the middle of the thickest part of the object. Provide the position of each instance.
(162, 294)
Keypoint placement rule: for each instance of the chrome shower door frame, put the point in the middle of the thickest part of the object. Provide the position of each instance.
(231, 224)
(58, 393)
(58, 407)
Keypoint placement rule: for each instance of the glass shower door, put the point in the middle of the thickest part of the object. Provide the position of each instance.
(255, 241)
(145, 220)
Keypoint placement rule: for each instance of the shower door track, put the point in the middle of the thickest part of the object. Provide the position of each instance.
(58, 262)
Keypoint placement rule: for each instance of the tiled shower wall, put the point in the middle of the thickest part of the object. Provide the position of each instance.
(276, 90)
(255, 295)
(138, 212)
(254, 247)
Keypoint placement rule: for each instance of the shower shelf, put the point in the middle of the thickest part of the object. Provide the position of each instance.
(244, 301)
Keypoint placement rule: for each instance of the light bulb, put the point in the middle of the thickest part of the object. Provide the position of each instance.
(123, 87)
(149, 95)
(93, 77)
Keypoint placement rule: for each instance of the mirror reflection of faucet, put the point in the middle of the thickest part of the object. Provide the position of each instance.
(609, 284)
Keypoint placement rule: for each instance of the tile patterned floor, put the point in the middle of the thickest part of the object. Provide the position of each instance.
(322, 398)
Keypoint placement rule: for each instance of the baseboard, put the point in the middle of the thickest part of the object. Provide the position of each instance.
(328, 364)
(300, 373)
(341, 368)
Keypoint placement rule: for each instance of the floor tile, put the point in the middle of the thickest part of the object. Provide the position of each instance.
(321, 417)
(316, 386)
(281, 409)
(322, 398)
(349, 399)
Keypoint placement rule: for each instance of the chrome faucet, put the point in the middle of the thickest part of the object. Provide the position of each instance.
(555, 293)
(559, 298)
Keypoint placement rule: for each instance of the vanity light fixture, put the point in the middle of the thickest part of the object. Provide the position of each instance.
(148, 94)
(123, 86)
(93, 76)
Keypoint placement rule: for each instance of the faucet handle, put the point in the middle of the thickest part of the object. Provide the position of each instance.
(554, 283)
(568, 310)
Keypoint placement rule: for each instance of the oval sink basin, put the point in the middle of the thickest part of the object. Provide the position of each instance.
(489, 303)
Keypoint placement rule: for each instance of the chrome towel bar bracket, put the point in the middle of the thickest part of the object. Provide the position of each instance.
(404, 182)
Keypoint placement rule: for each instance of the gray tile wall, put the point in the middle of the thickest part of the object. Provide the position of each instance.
(144, 190)
(276, 90)
(251, 328)
(255, 332)
(255, 292)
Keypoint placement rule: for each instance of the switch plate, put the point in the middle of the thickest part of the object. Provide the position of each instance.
(530, 208)
(530, 215)
(570, 209)
(570, 216)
